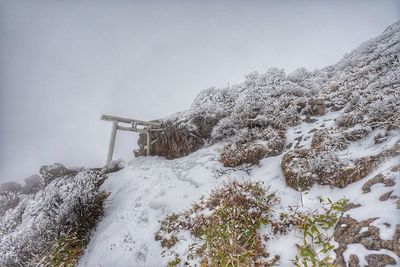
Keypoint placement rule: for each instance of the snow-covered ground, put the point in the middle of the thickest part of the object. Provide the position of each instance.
(149, 188)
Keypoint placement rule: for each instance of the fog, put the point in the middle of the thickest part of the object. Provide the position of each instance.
(64, 63)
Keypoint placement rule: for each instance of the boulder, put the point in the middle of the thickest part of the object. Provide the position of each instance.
(56, 170)
(10, 187)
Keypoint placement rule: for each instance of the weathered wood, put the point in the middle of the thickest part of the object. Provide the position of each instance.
(124, 128)
(149, 140)
(112, 141)
(148, 128)
(127, 120)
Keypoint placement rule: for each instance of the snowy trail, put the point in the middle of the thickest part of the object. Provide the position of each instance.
(141, 195)
(150, 188)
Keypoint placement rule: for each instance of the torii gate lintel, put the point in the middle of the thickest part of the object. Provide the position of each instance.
(148, 127)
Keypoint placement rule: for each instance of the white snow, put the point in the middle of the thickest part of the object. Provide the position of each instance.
(149, 188)
(364, 82)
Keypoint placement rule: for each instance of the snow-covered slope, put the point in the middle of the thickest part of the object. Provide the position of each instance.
(339, 137)
(148, 189)
(332, 133)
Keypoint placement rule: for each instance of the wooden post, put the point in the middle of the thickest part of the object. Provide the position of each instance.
(149, 140)
(112, 141)
(148, 128)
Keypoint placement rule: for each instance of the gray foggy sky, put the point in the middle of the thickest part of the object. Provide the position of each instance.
(64, 63)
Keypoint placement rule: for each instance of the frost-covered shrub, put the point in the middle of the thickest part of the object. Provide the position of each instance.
(225, 128)
(357, 134)
(303, 168)
(249, 153)
(329, 139)
(28, 230)
(8, 200)
(348, 120)
(368, 79)
(212, 101)
(251, 145)
(385, 113)
(364, 85)
(268, 96)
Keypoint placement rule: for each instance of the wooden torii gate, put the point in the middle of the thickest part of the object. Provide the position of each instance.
(147, 128)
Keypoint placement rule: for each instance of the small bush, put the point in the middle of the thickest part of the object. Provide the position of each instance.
(304, 167)
(348, 120)
(233, 155)
(53, 225)
(69, 246)
(251, 145)
(317, 230)
(225, 225)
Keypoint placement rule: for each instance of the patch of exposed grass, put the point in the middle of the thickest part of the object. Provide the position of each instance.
(317, 230)
(225, 225)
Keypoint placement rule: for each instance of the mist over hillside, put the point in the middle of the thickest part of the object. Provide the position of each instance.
(283, 169)
(66, 63)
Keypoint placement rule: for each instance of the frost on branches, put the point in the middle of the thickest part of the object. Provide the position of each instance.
(28, 230)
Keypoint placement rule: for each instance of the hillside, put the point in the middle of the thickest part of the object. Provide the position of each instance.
(280, 170)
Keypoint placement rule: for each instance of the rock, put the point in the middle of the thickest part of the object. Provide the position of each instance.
(379, 260)
(354, 261)
(288, 146)
(366, 188)
(370, 239)
(385, 196)
(352, 206)
(395, 168)
(112, 166)
(175, 142)
(56, 170)
(10, 187)
(33, 184)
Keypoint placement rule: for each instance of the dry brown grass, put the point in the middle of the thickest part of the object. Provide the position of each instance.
(253, 146)
(304, 167)
(225, 225)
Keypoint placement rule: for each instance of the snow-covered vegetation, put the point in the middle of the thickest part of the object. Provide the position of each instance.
(331, 134)
(30, 229)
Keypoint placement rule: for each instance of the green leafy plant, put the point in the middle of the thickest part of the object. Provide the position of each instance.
(225, 226)
(317, 242)
(175, 262)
